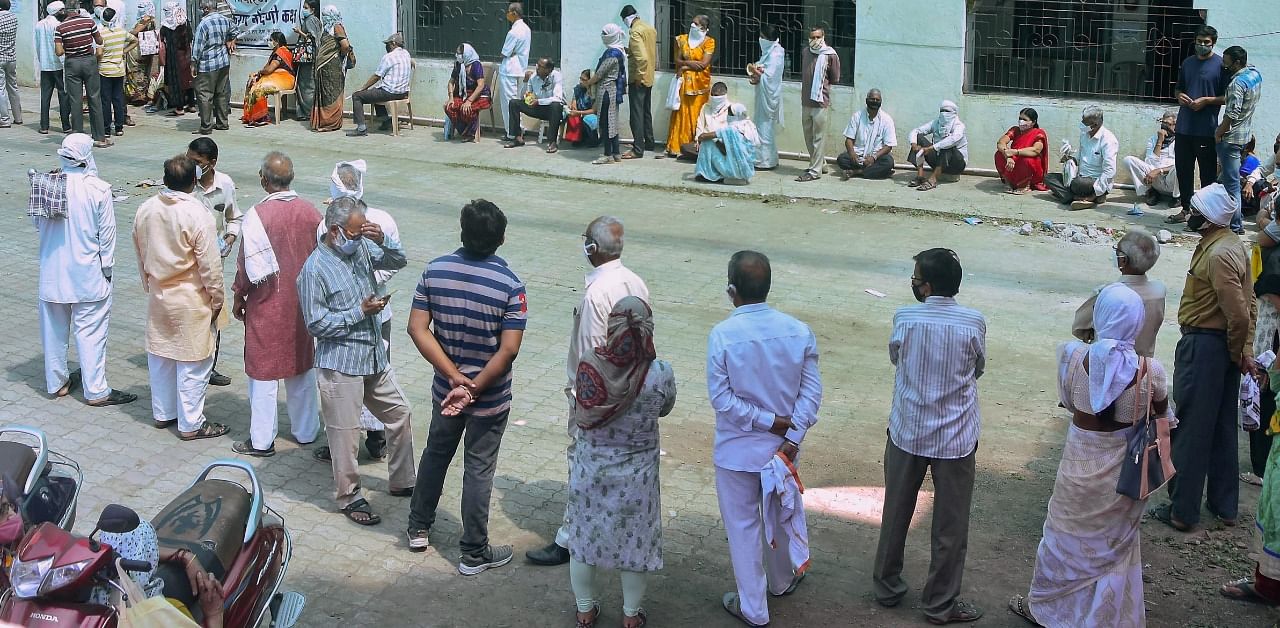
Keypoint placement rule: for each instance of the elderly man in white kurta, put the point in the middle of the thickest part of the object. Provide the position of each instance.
(177, 248)
(765, 388)
(766, 75)
(515, 58)
(607, 284)
(77, 252)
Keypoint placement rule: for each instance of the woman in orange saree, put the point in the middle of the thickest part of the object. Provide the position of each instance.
(694, 53)
(273, 78)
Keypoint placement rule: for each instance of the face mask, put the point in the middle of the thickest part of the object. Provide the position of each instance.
(587, 249)
(1086, 129)
(873, 105)
(1203, 50)
(917, 292)
(719, 101)
(1196, 222)
(629, 20)
(816, 45)
(458, 57)
(345, 245)
(765, 45)
(98, 11)
(199, 172)
(695, 32)
(1024, 125)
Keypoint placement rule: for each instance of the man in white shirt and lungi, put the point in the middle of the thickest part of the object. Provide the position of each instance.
(764, 385)
(939, 349)
(515, 58)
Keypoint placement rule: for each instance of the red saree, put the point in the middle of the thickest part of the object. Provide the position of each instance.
(1027, 171)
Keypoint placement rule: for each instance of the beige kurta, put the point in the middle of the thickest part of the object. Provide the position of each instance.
(176, 242)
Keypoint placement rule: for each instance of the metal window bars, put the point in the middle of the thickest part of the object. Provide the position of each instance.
(439, 26)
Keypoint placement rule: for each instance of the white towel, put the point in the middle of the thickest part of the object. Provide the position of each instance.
(259, 258)
(820, 73)
(783, 504)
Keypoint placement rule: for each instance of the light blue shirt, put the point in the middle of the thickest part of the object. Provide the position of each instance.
(761, 363)
(46, 57)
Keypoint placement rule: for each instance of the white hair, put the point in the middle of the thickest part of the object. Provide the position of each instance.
(341, 210)
(349, 176)
(1092, 112)
(1140, 248)
(601, 231)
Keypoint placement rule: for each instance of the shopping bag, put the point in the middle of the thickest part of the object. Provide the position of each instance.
(139, 611)
(673, 96)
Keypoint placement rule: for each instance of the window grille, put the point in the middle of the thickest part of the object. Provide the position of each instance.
(1098, 49)
(440, 25)
(735, 25)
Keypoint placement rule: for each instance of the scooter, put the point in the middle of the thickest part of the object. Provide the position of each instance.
(226, 530)
(41, 486)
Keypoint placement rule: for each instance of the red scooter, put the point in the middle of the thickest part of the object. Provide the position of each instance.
(40, 485)
(226, 530)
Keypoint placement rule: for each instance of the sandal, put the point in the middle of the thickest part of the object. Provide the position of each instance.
(632, 155)
(1250, 478)
(916, 181)
(640, 615)
(361, 507)
(1018, 605)
(925, 186)
(1176, 219)
(164, 425)
(589, 623)
(962, 612)
(601, 161)
(1242, 591)
(733, 606)
(322, 454)
(553, 149)
(208, 430)
(73, 382)
(1164, 514)
(806, 177)
(113, 398)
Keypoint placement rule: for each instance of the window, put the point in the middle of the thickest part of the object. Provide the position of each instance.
(1111, 49)
(440, 25)
(735, 25)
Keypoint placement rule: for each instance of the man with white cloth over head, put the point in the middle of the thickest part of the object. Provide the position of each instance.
(77, 253)
(940, 144)
(279, 233)
(766, 75)
(515, 58)
(765, 388)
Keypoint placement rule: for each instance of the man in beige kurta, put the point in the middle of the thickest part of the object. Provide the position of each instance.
(177, 249)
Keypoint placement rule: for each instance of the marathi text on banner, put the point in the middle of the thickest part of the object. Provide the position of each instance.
(255, 20)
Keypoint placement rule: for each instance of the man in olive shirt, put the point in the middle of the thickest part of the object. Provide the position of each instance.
(1216, 315)
(642, 54)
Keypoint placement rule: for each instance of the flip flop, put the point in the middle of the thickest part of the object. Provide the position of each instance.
(1164, 514)
(113, 398)
(1176, 219)
(322, 454)
(73, 382)
(733, 606)
(926, 186)
(361, 506)
(1018, 605)
(806, 177)
(915, 182)
(1250, 478)
(164, 425)
(1244, 592)
(208, 430)
(552, 149)
(632, 155)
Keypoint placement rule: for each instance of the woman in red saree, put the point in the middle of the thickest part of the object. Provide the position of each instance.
(273, 78)
(1021, 154)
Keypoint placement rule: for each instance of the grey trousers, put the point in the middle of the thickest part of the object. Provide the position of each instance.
(814, 123)
(10, 104)
(1206, 387)
(341, 396)
(949, 535)
(80, 76)
(306, 88)
(1067, 192)
(50, 81)
(213, 94)
(481, 437)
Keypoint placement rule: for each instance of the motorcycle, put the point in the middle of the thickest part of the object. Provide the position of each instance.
(218, 524)
(41, 486)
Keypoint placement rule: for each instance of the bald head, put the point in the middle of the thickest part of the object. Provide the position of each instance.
(749, 276)
(276, 172)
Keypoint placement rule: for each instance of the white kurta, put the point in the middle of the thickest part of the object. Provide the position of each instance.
(77, 253)
(515, 58)
(768, 112)
(1154, 159)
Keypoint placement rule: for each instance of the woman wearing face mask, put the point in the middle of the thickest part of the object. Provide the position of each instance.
(732, 153)
(611, 76)
(175, 59)
(1257, 182)
(1020, 156)
(694, 54)
(468, 95)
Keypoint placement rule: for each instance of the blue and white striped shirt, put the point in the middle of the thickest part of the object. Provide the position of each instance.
(940, 350)
(46, 56)
(330, 290)
(471, 302)
(209, 52)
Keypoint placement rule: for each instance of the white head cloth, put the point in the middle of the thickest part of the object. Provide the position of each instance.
(1213, 202)
(338, 189)
(947, 115)
(614, 37)
(76, 154)
(1117, 318)
(54, 7)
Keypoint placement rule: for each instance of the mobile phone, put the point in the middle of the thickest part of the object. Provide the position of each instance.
(387, 297)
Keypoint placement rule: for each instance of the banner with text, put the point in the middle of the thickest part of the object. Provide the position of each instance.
(255, 20)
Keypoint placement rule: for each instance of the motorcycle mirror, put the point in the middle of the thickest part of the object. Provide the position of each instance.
(118, 519)
(12, 493)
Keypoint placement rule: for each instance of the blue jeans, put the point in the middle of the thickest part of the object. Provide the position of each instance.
(1229, 176)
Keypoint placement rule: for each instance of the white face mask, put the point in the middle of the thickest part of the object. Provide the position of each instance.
(1024, 125)
(1086, 129)
(630, 19)
(696, 33)
(199, 172)
(765, 45)
(719, 101)
(816, 45)
(458, 57)
(345, 245)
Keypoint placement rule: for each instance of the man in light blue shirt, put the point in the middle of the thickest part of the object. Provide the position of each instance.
(764, 385)
(50, 65)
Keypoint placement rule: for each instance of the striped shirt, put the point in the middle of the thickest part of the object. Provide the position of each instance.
(111, 65)
(395, 69)
(46, 57)
(209, 52)
(330, 290)
(1242, 97)
(8, 36)
(940, 351)
(76, 34)
(471, 302)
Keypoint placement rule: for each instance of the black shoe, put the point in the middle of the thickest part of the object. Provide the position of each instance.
(548, 556)
(218, 379)
(246, 448)
(492, 556)
(202, 131)
(221, 127)
(376, 444)
(358, 132)
(1153, 198)
(385, 126)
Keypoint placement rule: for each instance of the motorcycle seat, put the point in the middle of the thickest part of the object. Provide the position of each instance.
(208, 520)
(16, 461)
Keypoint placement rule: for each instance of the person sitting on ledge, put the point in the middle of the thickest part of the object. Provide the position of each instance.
(1085, 181)
(869, 142)
(713, 117)
(732, 154)
(543, 99)
(941, 144)
(1021, 157)
(1155, 175)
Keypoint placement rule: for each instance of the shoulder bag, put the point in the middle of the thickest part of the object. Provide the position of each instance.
(1148, 462)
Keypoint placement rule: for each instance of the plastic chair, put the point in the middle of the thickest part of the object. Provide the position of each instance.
(280, 101)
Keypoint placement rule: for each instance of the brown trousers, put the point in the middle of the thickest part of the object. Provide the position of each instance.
(341, 396)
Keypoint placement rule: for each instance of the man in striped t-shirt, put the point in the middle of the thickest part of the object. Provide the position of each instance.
(939, 349)
(468, 319)
(75, 39)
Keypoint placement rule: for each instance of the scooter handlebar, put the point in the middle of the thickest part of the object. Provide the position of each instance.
(135, 565)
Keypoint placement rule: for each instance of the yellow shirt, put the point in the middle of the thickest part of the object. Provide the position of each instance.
(1219, 291)
(642, 53)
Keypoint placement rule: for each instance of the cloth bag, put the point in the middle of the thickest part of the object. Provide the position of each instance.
(673, 96)
(138, 611)
(1148, 462)
(148, 43)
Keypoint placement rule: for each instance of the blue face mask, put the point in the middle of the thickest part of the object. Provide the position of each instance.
(345, 245)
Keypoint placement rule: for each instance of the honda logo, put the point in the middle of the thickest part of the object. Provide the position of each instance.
(44, 617)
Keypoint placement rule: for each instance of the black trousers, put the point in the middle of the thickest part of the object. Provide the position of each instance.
(81, 79)
(50, 81)
(113, 109)
(640, 99)
(881, 169)
(948, 159)
(1067, 192)
(1206, 385)
(374, 96)
(1189, 150)
(552, 113)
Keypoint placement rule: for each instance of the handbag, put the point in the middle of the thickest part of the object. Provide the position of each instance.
(1148, 463)
(673, 96)
(304, 51)
(148, 43)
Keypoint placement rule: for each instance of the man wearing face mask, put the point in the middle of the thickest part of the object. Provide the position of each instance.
(766, 75)
(279, 236)
(869, 140)
(1216, 315)
(1156, 174)
(939, 350)
(821, 70)
(642, 58)
(515, 58)
(1236, 129)
(713, 117)
(1135, 254)
(941, 144)
(1095, 168)
(608, 283)
(1199, 91)
(218, 193)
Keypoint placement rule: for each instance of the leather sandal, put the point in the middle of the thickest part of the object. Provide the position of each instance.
(113, 398)
(1018, 604)
(361, 506)
(208, 430)
(595, 615)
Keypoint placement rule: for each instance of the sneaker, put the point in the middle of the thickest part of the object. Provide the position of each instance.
(493, 556)
(218, 379)
(418, 541)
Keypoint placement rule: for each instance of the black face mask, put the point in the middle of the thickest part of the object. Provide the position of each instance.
(1196, 222)
(1276, 148)
(873, 105)
(915, 290)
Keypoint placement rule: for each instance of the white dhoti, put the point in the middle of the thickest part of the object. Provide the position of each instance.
(1138, 169)
(767, 151)
(508, 90)
(178, 390)
(756, 566)
(302, 400)
(88, 322)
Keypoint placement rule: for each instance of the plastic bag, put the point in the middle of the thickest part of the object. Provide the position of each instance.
(673, 96)
(147, 612)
